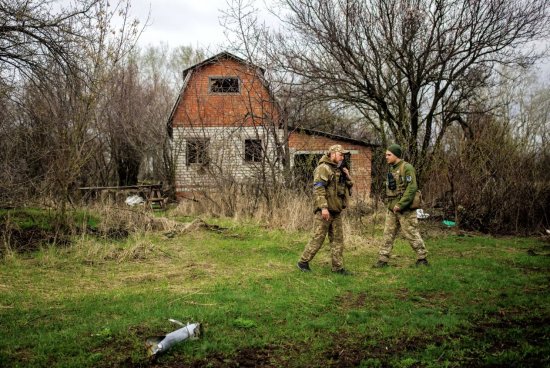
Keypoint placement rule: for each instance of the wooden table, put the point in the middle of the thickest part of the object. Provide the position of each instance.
(152, 193)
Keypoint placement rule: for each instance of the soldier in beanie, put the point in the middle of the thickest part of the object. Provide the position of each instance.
(401, 188)
(332, 184)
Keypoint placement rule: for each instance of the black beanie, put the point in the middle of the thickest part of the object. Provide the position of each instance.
(395, 149)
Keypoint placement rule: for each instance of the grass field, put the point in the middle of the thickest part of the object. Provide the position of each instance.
(483, 302)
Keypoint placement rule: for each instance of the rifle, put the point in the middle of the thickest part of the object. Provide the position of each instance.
(344, 164)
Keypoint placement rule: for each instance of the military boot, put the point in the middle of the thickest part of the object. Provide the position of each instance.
(344, 272)
(422, 262)
(304, 266)
(380, 264)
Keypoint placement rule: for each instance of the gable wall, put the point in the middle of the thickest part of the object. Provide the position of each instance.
(199, 107)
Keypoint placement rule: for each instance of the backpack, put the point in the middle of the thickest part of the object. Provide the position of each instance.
(418, 201)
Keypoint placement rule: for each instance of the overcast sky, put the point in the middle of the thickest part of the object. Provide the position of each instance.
(180, 22)
(184, 22)
(196, 23)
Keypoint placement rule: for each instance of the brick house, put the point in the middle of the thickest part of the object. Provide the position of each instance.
(225, 129)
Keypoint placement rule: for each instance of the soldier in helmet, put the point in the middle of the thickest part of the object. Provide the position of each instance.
(332, 184)
(401, 188)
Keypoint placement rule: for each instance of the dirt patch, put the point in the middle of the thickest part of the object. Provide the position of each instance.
(350, 300)
(31, 239)
(346, 351)
(405, 294)
(492, 337)
(495, 335)
(402, 294)
(248, 357)
(505, 332)
(262, 357)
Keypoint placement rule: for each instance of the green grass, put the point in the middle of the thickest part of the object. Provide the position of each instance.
(483, 302)
(28, 218)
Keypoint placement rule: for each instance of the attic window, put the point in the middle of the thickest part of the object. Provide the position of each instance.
(224, 85)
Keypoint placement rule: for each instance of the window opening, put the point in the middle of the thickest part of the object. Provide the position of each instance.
(197, 151)
(253, 150)
(224, 85)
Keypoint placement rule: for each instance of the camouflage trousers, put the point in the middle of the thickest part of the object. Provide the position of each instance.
(408, 222)
(332, 227)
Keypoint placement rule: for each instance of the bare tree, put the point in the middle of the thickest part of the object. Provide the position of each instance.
(496, 178)
(524, 104)
(411, 68)
(33, 33)
(55, 61)
(134, 110)
(161, 74)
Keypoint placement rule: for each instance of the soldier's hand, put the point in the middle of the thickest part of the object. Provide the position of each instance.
(396, 209)
(325, 214)
(346, 171)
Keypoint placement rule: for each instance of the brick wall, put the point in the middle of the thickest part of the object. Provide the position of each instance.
(201, 108)
(228, 165)
(361, 157)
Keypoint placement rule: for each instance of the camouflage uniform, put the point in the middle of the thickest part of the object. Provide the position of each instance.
(405, 219)
(332, 192)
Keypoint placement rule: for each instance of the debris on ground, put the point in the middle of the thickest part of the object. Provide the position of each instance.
(420, 214)
(159, 344)
(134, 200)
(173, 228)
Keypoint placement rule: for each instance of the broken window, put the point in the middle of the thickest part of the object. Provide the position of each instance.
(197, 151)
(304, 166)
(224, 85)
(253, 150)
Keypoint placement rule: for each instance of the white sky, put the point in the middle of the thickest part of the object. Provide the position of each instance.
(193, 23)
(180, 22)
(196, 23)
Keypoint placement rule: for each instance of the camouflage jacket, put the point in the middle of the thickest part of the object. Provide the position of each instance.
(406, 186)
(331, 186)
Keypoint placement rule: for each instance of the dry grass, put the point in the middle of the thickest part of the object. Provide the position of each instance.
(132, 220)
(137, 248)
(293, 212)
(126, 219)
